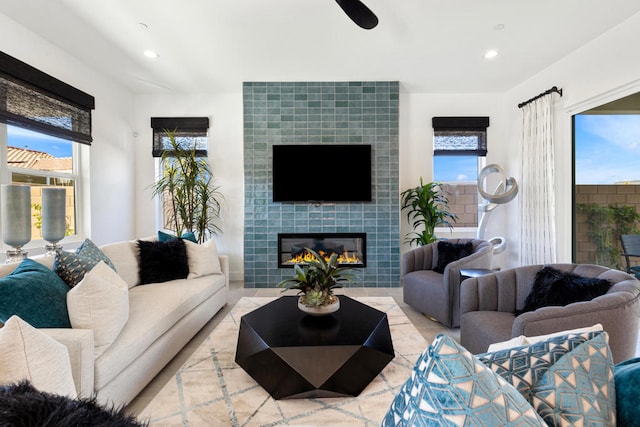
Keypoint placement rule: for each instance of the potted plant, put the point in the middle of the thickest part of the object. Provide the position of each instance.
(315, 280)
(192, 201)
(428, 206)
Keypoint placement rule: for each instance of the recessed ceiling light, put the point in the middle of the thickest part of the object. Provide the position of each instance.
(490, 54)
(499, 27)
(151, 54)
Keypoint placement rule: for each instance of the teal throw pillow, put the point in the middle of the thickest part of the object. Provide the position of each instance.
(568, 379)
(449, 386)
(165, 237)
(627, 379)
(35, 294)
(71, 267)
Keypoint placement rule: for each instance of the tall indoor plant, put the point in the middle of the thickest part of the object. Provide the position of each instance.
(427, 206)
(192, 201)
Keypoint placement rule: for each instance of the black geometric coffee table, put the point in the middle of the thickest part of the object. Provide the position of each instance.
(293, 355)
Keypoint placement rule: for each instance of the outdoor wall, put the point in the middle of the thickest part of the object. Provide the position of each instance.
(603, 195)
(321, 113)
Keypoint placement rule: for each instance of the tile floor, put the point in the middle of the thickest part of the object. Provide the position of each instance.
(428, 328)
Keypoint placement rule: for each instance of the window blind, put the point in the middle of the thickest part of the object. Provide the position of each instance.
(462, 136)
(189, 132)
(32, 99)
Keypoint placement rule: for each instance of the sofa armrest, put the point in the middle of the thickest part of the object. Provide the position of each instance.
(224, 267)
(483, 258)
(420, 258)
(618, 312)
(79, 343)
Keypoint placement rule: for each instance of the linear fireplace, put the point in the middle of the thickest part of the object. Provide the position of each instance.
(350, 247)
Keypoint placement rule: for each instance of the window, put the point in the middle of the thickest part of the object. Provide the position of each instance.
(606, 180)
(189, 133)
(41, 121)
(460, 147)
(40, 160)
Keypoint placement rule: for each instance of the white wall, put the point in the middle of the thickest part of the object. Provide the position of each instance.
(110, 190)
(225, 155)
(416, 145)
(599, 72)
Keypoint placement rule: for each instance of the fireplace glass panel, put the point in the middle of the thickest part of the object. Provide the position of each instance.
(350, 247)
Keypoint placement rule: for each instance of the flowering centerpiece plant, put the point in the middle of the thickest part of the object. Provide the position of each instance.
(317, 278)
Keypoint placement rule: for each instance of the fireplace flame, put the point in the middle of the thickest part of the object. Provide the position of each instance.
(304, 257)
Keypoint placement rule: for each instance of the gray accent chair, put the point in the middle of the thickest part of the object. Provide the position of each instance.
(434, 294)
(488, 303)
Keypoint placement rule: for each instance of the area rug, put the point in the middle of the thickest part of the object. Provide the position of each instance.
(210, 389)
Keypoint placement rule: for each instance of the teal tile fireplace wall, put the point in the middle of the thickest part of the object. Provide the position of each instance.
(321, 113)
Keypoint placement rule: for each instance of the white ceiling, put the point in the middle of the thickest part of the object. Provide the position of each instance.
(215, 45)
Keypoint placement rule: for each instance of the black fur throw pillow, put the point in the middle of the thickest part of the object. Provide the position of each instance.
(22, 405)
(553, 287)
(449, 252)
(162, 261)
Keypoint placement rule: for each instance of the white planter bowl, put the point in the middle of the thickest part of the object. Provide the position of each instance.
(322, 310)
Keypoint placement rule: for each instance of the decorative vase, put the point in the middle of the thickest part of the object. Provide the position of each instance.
(321, 310)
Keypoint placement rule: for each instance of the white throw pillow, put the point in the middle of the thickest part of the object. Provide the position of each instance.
(100, 302)
(203, 259)
(523, 340)
(29, 354)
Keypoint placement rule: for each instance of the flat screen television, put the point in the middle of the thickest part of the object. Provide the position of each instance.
(321, 173)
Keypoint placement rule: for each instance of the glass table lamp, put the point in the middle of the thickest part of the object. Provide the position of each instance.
(16, 219)
(53, 218)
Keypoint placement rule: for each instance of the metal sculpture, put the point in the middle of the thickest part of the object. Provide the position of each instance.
(505, 192)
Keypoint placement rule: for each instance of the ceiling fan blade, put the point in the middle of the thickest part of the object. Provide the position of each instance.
(359, 13)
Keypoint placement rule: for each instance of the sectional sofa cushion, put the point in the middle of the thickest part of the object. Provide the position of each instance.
(124, 256)
(29, 354)
(203, 259)
(153, 310)
(568, 379)
(35, 294)
(72, 267)
(162, 261)
(100, 302)
(449, 386)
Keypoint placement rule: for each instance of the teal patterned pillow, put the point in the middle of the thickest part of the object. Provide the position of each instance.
(568, 379)
(71, 267)
(449, 386)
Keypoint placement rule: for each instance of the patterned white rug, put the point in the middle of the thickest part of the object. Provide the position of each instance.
(210, 389)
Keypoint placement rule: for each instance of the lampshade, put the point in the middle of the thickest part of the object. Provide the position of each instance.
(53, 214)
(16, 214)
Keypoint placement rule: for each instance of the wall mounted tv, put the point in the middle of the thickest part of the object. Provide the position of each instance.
(321, 173)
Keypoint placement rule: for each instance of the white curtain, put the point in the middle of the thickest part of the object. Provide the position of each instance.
(537, 189)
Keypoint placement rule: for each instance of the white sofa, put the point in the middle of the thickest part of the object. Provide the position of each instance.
(163, 317)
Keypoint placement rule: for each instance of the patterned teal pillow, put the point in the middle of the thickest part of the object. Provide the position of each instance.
(35, 294)
(71, 267)
(568, 379)
(449, 386)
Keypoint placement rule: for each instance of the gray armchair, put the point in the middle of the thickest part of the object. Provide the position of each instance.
(437, 294)
(488, 303)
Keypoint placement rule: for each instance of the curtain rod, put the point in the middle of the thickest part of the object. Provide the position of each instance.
(546, 92)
